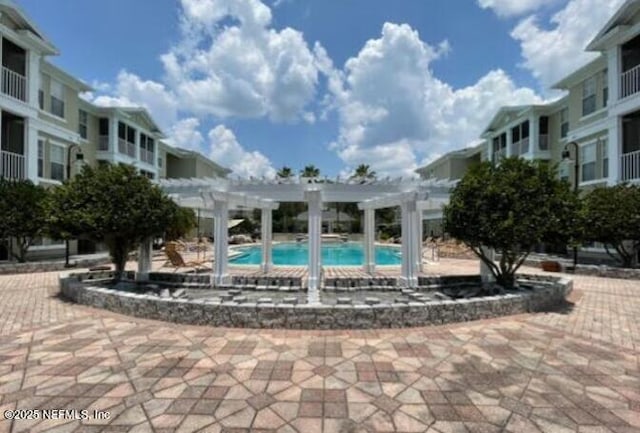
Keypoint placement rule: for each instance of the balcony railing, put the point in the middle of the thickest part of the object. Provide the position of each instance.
(630, 165)
(103, 143)
(543, 142)
(127, 148)
(12, 165)
(630, 82)
(499, 154)
(146, 156)
(14, 84)
(520, 147)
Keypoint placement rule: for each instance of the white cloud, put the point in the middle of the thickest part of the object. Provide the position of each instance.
(552, 53)
(510, 8)
(225, 150)
(230, 62)
(186, 133)
(393, 111)
(130, 90)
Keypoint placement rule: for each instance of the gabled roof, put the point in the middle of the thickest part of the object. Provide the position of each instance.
(61, 75)
(185, 153)
(128, 112)
(27, 27)
(616, 24)
(584, 72)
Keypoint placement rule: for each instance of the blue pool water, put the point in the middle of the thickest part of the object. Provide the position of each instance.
(338, 254)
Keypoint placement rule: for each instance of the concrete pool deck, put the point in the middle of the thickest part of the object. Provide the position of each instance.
(574, 370)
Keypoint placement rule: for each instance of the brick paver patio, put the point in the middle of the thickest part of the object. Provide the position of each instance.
(575, 370)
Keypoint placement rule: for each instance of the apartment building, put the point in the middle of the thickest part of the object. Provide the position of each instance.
(48, 131)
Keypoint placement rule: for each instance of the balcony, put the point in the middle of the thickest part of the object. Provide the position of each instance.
(630, 82)
(520, 147)
(126, 148)
(499, 154)
(14, 84)
(543, 142)
(103, 143)
(12, 165)
(147, 156)
(630, 166)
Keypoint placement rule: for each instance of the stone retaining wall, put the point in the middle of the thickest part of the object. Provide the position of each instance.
(304, 316)
(49, 266)
(590, 270)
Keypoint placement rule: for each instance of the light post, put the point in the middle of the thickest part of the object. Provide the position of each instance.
(79, 157)
(566, 156)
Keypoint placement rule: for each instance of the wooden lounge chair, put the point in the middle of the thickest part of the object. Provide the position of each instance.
(176, 261)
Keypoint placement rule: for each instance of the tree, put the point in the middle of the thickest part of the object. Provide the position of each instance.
(363, 171)
(113, 204)
(182, 222)
(285, 172)
(511, 208)
(23, 210)
(310, 171)
(612, 217)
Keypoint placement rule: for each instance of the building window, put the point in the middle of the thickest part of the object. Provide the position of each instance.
(564, 122)
(126, 139)
(588, 162)
(146, 149)
(83, 120)
(160, 161)
(543, 128)
(588, 96)
(40, 158)
(57, 98)
(499, 147)
(604, 152)
(605, 88)
(41, 99)
(147, 174)
(56, 158)
(520, 139)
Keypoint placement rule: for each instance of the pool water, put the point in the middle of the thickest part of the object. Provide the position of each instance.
(338, 254)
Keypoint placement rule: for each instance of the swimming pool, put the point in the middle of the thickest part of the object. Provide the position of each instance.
(333, 254)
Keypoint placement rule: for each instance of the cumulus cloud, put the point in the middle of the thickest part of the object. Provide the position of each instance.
(394, 112)
(510, 8)
(231, 62)
(225, 150)
(553, 50)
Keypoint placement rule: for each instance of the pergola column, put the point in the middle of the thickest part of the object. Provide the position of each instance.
(369, 239)
(144, 260)
(314, 201)
(221, 243)
(267, 241)
(409, 268)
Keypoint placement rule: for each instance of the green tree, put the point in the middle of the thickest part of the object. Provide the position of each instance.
(285, 172)
(310, 171)
(112, 204)
(612, 217)
(23, 210)
(511, 208)
(182, 222)
(363, 171)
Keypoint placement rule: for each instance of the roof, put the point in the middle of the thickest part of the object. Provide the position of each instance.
(582, 73)
(62, 75)
(128, 111)
(614, 25)
(186, 153)
(16, 14)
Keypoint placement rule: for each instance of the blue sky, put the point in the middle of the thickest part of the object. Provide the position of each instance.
(258, 85)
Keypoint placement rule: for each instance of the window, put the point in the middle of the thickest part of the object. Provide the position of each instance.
(147, 174)
(56, 157)
(605, 88)
(499, 147)
(40, 158)
(57, 98)
(126, 139)
(83, 119)
(543, 128)
(604, 153)
(520, 139)
(564, 122)
(160, 161)
(588, 162)
(41, 99)
(588, 96)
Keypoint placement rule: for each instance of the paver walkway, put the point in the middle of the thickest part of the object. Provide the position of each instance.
(576, 370)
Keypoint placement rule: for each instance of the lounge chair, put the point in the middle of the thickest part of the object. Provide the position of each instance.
(176, 261)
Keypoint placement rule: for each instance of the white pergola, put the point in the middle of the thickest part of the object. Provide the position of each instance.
(221, 195)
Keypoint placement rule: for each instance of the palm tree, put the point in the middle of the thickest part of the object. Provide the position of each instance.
(285, 172)
(363, 171)
(310, 171)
